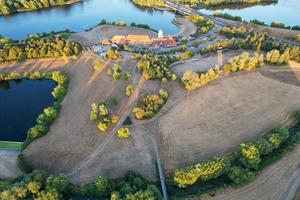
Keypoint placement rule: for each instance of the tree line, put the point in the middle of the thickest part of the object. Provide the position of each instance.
(256, 42)
(39, 185)
(255, 21)
(11, 6)
(37, 47)
(149, 3)
(232, 31)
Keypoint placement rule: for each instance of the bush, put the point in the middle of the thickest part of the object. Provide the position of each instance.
(123, 133)
(94, 115)
(113, 54)
(129, 90)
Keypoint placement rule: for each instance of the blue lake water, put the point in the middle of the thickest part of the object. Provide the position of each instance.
(285, 11)
(79, 15)
(89, 12)
(20, 104)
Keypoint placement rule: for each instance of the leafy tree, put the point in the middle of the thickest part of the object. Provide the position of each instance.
(150, 104)
(239, 175)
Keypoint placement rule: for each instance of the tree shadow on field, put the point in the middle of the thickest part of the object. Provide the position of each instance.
(290, 75)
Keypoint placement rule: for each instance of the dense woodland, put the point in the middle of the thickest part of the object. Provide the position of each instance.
(149, 3)
(37, 47)
(10, 6)
(39, 185)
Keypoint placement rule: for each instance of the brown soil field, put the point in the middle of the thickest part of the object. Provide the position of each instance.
(274, 182)
(218, 117)
(73, 139)
(97, 34)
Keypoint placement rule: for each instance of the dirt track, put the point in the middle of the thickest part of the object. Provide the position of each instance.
(8, 164)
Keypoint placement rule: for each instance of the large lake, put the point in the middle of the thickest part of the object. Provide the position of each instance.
(20, 104)
(285, 11)
(85, 14)
(88, 13)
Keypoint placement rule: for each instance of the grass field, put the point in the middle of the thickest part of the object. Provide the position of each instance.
(10, 145)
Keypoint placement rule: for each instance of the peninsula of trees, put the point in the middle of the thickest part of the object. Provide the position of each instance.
(11, 6)
(149, 3)
(37, 47)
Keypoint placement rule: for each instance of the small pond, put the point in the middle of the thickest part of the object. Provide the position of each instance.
(21, 102)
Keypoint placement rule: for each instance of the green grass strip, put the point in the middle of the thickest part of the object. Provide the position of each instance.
(10, 145)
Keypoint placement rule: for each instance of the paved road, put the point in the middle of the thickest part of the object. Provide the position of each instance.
(8, 164)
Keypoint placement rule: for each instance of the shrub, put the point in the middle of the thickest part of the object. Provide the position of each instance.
(102, 126)
(129, 90)
(113, 54)
(114, 119)
(103, 111)
(123, 133)
(94, 115)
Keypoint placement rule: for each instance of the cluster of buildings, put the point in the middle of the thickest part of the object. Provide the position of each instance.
(142, 40)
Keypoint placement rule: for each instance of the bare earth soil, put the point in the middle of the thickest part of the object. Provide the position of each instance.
(97, 34)
(218, 117)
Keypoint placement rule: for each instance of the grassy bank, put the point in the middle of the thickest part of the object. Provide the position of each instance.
(10, 145)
